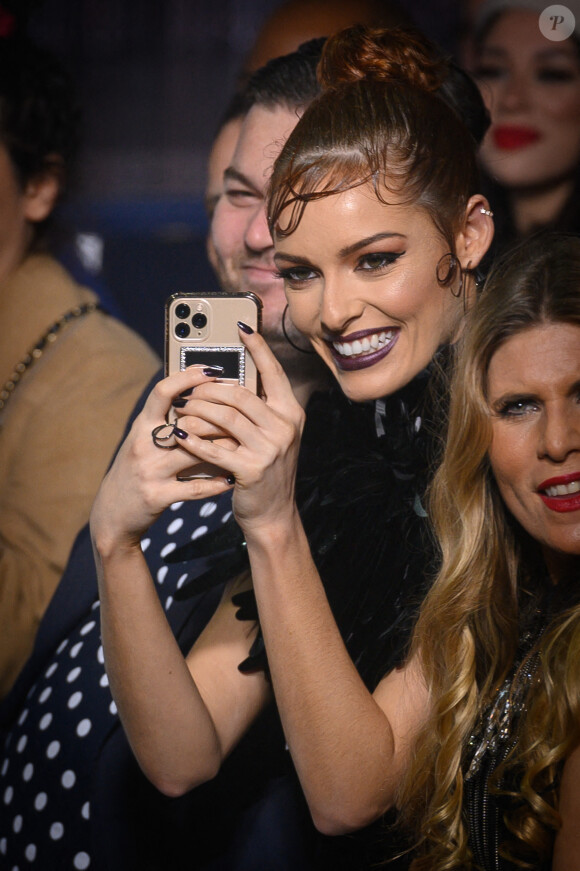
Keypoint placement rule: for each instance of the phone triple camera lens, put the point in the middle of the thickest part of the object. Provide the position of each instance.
(182, 312)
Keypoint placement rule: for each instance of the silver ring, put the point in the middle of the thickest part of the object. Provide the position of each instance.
(158, 439)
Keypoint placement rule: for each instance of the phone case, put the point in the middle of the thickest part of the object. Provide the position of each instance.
(201, 329)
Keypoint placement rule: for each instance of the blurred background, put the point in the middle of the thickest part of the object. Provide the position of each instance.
(154, 77)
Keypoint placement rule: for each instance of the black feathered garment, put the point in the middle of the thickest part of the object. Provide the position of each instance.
(362, 474)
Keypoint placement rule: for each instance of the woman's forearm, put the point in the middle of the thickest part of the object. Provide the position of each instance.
(348, 751)
(162, 711)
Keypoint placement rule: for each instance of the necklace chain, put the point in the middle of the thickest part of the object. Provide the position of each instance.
(45, 341)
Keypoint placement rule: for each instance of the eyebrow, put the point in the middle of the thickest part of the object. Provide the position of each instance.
(541, 54)
(233, 174)
(344, 252)
(362, 243)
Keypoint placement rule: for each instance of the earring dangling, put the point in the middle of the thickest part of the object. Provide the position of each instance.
(289, 340)
(446, 268)
(459, 292)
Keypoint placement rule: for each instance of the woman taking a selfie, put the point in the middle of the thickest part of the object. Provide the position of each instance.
(379, 229)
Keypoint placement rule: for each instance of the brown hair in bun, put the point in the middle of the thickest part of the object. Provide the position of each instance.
(391, 113)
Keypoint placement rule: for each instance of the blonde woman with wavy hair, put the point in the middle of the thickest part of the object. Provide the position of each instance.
(498, 637)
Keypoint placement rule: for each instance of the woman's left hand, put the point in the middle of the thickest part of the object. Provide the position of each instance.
(266, 432)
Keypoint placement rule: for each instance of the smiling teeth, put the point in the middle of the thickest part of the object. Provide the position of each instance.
(363, 346)
(564, 489)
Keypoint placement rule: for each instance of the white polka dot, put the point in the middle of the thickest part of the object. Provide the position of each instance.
(74, 700)
(74, 651)
(45, 722)
(8, 793)
(104, 681)
(28, 772)
(59, 649)
(84, 727)
(73, 674)
(181, 581)
(30, 852)
(53, 749)
(101, 655)
(175, 506)
(23, 716)
(3, 846)
(86, 811)
(95, 605)
(68, 779)
(31, 691)
(51, 669)
(169, 548)
(175, 526)
(113, 709)
(145, 542)
(226, 516)
(22, 743)
(17, 823)
(162, 573)
(88, 627)
(81, 861)
(169, 603)
(207, 509)
(40, 801)
(56, 831)
(201, 530)
(5, 765)
(45, 694)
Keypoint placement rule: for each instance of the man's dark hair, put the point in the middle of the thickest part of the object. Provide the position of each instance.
(289, 81)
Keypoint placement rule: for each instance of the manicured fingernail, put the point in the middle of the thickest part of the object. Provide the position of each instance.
(179, 433)
(230, 479)
(187, 392)
(245, 328)
(179, 403)
(213, 370)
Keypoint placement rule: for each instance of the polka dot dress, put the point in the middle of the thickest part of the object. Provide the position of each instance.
(50, 753)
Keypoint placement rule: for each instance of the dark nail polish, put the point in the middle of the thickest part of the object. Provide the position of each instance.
(213, 370)
(245, 328)
(179, 433)
(187, 392)
(179, 403)
(230, 479)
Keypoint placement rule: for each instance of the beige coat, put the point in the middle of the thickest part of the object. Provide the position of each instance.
(57, 435)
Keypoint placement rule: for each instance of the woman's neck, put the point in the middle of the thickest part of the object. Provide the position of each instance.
(561, 567)
(533, 208)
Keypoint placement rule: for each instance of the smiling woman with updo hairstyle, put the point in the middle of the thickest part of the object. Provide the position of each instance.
(379, 228)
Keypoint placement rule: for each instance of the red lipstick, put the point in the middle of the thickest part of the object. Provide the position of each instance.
(510, 138)
(564, 503)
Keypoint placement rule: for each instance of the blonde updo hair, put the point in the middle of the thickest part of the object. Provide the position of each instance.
(393, 112)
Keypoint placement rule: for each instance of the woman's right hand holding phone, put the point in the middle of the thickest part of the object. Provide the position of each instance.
(143, 479)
